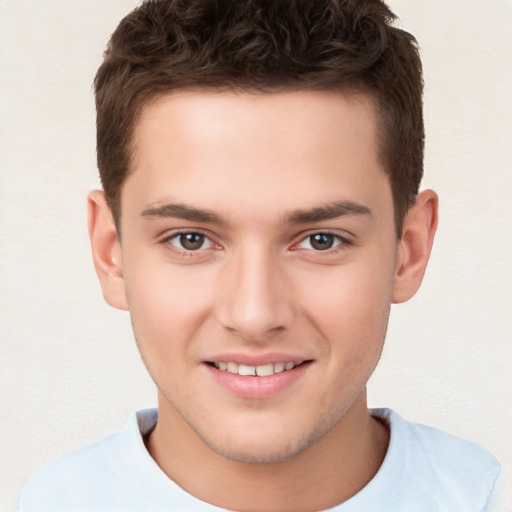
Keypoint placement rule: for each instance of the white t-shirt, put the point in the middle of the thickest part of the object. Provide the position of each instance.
(424, 470)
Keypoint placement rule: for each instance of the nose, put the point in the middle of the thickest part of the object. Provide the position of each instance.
(256, 298)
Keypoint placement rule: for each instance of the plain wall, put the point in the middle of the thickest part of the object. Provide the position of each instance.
(70, 372)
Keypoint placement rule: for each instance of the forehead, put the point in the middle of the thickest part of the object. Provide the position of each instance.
(281, 120)
(295, 149)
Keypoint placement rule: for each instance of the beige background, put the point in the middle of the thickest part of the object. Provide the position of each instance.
(70, 373)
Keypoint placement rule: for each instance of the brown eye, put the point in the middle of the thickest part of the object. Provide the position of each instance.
(190, 241)
(321, 241)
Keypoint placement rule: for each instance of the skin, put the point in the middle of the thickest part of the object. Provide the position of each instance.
(258, 176)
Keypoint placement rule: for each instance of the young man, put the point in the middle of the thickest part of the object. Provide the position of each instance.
(261, 211)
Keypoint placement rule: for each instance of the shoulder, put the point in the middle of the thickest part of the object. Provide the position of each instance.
(449, 468)
(445, 450)
(73, 481)
(70, 475)
(501, 498)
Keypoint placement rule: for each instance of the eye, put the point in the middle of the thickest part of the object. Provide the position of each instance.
(190, 241)
(320, 241)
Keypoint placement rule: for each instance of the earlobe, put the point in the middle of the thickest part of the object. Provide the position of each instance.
(106, 250)
(415, 245)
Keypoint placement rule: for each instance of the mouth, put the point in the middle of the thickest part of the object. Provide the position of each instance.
(264, 370)
(257, 377)
(258, 382)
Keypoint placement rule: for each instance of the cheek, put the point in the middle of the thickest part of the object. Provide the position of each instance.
(167, 303)
(350, 306)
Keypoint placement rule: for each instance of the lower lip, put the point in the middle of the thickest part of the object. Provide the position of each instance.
(257, 387)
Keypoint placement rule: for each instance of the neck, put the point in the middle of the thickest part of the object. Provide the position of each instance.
(328, 472)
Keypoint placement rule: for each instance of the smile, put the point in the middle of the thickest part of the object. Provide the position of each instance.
(258, 381)
(264, 370)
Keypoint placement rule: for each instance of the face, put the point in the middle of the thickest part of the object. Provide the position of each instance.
(258, 260)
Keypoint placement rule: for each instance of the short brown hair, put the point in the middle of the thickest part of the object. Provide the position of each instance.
(263, 46)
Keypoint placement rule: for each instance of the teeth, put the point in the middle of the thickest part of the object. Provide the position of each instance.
(232, 367)
(261, 371)
(246, 370)
(279, 367)
(265, 370)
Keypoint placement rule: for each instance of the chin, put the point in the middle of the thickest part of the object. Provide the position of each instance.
(260, 453)
(265, 446)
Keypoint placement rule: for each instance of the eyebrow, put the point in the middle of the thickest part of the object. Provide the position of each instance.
(327, 212)
(317, 214)
(182, 211)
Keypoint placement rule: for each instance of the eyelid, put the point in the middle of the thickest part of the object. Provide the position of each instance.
(207, 243)
(166, 238)
(344, 240)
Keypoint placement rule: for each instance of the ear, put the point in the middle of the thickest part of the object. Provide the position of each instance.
(106, 250)
(415, 245)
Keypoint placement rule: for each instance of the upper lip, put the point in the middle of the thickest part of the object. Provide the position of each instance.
(257, 359)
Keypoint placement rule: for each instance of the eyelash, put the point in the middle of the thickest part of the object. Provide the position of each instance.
(167, 241)
(340, 241)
